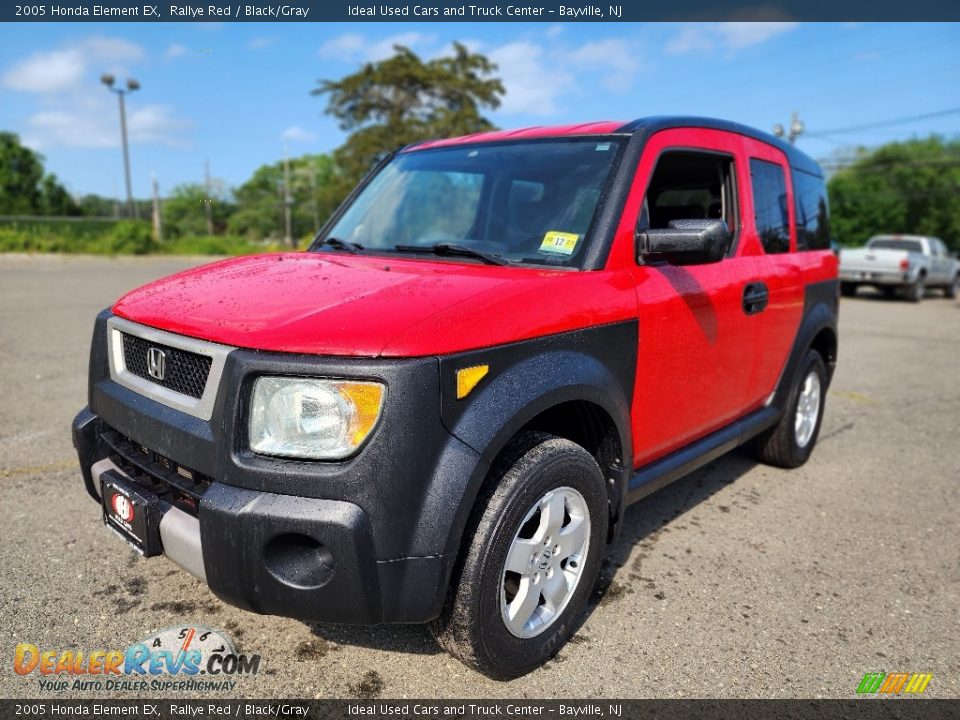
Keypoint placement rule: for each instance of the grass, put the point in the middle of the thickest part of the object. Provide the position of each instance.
(123, 238)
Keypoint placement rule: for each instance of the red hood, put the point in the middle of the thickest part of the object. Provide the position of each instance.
(320, 303)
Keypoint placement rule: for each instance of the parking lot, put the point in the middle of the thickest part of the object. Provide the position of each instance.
(737, 581)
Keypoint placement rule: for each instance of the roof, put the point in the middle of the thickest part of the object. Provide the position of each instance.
(641, 126)
(603, 127)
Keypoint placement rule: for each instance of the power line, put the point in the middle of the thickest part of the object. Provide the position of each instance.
(884, 123)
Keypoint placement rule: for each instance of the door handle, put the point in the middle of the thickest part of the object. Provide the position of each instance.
(755, 297)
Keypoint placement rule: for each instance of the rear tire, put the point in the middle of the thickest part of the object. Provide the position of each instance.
(487, 623)
(916, 291)
(789, 443)
(848, 289)
(953, 288)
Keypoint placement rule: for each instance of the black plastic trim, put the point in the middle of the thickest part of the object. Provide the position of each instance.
(594, 365)
(821, 303)
(674, 466)
(401, 478)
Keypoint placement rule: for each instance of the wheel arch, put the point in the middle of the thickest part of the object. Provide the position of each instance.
(818, 331)
(578, 386)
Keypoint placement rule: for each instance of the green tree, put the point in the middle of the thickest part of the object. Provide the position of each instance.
(259, 212)
(54, 198)
(185, 211)
(98, 206)
(402, 99)
(906, 187)
(24, 187)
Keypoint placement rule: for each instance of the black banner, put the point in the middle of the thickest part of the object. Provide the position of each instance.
(476, 10)
(861, 709)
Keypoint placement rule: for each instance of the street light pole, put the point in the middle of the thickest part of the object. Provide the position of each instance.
(132, 86)
(796, 129)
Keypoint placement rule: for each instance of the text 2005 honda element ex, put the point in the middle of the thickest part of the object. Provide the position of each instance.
(439, 412)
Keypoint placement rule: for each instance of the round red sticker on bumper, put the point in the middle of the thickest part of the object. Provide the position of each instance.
(122, 507)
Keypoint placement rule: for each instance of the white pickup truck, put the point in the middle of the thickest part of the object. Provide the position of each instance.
(908, 263)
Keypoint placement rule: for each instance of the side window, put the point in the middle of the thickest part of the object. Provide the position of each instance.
(770, 203)
(689, 185)
(813, 215)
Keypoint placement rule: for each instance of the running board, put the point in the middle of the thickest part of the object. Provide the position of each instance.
(664, 471)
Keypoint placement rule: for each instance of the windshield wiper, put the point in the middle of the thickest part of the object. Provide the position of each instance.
(342, 244)
(452, 249)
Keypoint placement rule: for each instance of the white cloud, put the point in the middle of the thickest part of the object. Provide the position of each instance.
(93, 124)
(735, 35)
(156, 124)
(295, 133)
(539, 80)
(259, 43)
(346, 46)
(176, 50)
(617, 58)
(112, 49)
(534, 80)
(357, 47)
(75, 111)
(689, 38)
(46, 72)
(59, 70)
(725, 35)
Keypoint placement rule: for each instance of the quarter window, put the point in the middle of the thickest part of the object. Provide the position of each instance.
(770, 205)
(813, 228)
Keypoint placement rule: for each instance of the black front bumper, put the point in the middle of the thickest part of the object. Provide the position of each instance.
(366, 540)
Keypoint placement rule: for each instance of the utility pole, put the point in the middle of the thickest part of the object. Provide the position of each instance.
(313, 197)
(309, 171)
(132, 86)
(116, 202)
(796, 128)
(157, 219)
(208, 202)
(287, 200)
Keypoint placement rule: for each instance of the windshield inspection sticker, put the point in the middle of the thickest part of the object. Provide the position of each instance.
(561, 243)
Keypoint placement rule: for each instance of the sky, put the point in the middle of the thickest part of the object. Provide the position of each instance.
(236, 95)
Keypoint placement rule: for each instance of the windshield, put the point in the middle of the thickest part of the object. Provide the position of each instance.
(893, 244)
(524, 202)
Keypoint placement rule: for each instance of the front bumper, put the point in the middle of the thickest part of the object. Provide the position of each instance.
(307, 558)
(364, 540)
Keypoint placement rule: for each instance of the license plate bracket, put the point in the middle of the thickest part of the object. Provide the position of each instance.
(132, 512)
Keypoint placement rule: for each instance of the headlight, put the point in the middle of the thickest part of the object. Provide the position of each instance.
(316, 419)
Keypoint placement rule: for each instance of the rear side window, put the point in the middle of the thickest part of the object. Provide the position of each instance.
(914, 246)
(813, 227)
(770, 205)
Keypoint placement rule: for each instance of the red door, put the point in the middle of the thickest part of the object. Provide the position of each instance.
(698, 343)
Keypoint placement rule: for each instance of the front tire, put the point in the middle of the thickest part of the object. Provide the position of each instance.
(523, 581)
(789, 443)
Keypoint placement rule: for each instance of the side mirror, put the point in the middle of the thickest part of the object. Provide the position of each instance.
(684, 242)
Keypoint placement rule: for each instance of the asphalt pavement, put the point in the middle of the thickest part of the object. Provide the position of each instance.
(737, 581)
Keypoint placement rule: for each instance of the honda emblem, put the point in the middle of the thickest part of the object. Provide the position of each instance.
(156, 363)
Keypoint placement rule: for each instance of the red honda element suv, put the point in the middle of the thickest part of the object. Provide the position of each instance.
(439, 412)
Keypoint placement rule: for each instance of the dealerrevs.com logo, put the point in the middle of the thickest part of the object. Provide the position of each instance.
(187, 658)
